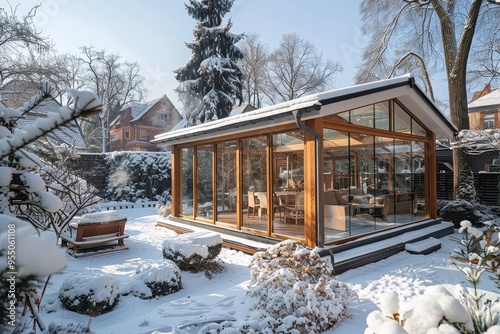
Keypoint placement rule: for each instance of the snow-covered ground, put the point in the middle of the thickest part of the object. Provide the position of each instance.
(224, 295)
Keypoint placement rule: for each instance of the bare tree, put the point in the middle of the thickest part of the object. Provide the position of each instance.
(116, 83)
(296, 69)
(424, 36)
(253, 66)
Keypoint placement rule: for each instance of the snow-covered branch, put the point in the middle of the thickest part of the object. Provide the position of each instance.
(475, 142)
(85, 103)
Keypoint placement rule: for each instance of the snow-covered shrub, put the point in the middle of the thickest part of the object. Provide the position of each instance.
(194, 252)
(465, 188)
(435, 311)
(137, 175)
(296, 290)
(90, 294)
(164, 210)
(156, 279)
(68, 329)
(36, 256)
(458, 210)
(438, 310)
(479, 253)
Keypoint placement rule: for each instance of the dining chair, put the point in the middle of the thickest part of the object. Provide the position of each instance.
(252, 204)
(296, 211)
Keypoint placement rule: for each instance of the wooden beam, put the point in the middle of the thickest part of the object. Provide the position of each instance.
(431, 178)
(175, 177)
(311, 183)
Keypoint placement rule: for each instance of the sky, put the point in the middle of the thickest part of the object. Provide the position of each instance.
(154, 32)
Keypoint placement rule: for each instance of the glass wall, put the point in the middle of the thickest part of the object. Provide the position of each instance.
(288, 183)
(204, 180)
(254, 174)
(226, 182)
(187, 182)
(371, 181)
(373, 165)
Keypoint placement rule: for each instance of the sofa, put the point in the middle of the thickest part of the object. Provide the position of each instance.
(336, 208)
(403, 203)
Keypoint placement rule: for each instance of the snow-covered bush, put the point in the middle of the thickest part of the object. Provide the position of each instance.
(479, 253)
(36, 256)
(164, 210)
(137, 175)
(295, 290)
(156, 279)
(458, 210)
(435, 311)
(465, 188)
(90, 294)
(194, 252)
(438, 310)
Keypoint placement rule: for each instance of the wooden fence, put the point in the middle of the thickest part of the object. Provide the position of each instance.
(486, 184)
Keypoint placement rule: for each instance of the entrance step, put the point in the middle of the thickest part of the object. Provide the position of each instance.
(423, 247)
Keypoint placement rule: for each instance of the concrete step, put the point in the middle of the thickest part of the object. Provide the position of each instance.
(423, 247)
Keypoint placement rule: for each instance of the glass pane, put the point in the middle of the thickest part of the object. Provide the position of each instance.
(381, 115)
(417, 129)
(363, 116)
(254, 174)
(187, 181)
(402, 121)
(336, 176)
(372, 116)
(226, 182)
(205, 182)
(288, 186)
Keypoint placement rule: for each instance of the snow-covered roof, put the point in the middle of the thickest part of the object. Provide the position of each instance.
(489, 101)
(137, 110)
(241, 109)
(137, 113)
(69, 134)
(323, 104)
(181, 125)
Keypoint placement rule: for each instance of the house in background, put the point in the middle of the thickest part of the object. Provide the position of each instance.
(484, 109)
(138, 123)
(16, 93)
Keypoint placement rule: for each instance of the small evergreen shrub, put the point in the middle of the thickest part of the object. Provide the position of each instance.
(157, 279)
(296, 291)
(90, 294)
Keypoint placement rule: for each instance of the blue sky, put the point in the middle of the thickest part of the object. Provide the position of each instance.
(153, 32)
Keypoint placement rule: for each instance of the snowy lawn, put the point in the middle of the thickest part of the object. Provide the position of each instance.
(224, 296)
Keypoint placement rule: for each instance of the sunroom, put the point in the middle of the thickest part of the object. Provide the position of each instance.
(322, 169)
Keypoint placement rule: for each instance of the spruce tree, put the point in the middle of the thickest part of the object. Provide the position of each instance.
(210, 83)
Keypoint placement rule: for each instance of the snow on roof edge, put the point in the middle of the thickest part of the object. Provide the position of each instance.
(287, 106)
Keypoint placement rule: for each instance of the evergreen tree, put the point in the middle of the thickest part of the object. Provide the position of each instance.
(210, 83)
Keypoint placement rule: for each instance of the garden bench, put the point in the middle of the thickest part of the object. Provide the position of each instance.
(95, 233)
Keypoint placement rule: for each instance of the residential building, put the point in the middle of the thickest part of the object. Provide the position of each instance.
(138, 123)
(484, 109)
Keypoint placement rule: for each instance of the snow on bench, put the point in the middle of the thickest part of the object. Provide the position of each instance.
(95, 233)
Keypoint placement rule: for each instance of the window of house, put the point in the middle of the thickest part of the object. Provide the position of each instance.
(115, 136)
(127, 134)
(143, 134)
(162, 117)
(489, 121)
